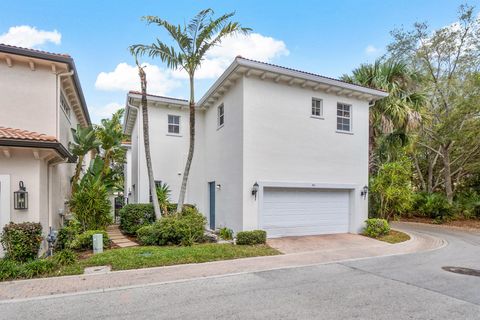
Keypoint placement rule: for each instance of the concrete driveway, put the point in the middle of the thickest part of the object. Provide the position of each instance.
(408, 286)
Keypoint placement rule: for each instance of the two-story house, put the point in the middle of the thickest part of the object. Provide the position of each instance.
(277, 149)
(41, 101)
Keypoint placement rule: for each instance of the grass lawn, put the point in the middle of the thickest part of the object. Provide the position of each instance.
(394, 236)
(145, 257)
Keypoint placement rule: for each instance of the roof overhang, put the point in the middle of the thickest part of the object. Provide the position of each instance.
(133, 105)
(32, 55)
(250, 68)
(34, 144)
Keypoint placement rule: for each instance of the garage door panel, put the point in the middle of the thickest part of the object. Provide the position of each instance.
(293, 212)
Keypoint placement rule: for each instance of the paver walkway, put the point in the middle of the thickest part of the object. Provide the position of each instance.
(118, 238)
(25, 289)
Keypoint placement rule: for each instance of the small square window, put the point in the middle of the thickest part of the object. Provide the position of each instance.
(221, 115)
(317, 107)
(173, 124)
(344, 117)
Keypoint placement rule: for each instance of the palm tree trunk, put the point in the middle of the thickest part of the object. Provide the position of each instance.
(76, 176)
(183, 189)
(146, 141)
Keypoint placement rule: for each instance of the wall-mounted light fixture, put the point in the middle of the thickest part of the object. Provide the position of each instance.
(255, 190)
(20, 197)
(364, 192)
(219, 186)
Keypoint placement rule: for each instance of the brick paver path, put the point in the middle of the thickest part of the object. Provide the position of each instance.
(118, 238)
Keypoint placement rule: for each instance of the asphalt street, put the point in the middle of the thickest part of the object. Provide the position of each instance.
(412, 286)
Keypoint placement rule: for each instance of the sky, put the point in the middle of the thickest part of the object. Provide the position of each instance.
(330, 38)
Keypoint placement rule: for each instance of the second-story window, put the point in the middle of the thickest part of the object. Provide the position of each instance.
(173, 124)
(221, 115)
(317, 107)
(344, 117)
(64, 105)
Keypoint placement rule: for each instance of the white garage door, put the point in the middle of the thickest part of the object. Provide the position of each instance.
(298, 212)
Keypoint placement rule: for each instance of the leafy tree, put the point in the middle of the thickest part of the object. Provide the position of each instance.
(163, 193)
(193, 41)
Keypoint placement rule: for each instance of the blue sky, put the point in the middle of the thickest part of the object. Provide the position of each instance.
(326, 37)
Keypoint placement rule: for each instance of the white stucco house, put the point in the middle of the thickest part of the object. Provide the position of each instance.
(276, 149)
(41, 101)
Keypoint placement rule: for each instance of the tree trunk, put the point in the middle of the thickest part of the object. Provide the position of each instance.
(146, 141)
(76, 176)
(447, 172)
(183, 189)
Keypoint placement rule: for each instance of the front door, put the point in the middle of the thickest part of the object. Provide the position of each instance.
(211, 191)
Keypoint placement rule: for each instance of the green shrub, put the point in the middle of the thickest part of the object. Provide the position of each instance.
(9, 269)
(183, 228)
(225, 233)
(37, 267)
(84, 241)
(376, 228)
(391, 189)
(251, 237)
(147, 236)
(22, 240)
(135, 216)
(67, 234)
(435, 206)
(91, 206)
(467, 205)
(65, 257)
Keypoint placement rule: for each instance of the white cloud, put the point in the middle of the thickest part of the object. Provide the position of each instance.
(371, 50)
(29, 37)
(125, 77)
(106, 111)
(253, 46)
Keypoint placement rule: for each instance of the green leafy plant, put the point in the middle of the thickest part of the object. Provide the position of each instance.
(67, 234)
(22, 240)
(65, 257)
(9, 269)
(135, 216)
(84, 241)
(376, 227)
(37, 267)
(225, 233)
(163, 194)
(433, 205)
(147, 235)
(251, 237)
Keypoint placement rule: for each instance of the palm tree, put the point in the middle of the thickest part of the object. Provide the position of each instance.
(84, 140)
(110, 134)
(202, 33)
(392, 118)
(146, 136)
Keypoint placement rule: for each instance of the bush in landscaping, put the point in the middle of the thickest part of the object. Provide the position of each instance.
(251, 237)
(467, 205)
(376, 228)
(84, 241)
(135, 216)
(67, 234)
(65, 257)
(183, 228)
(226, 233)
(37, 267)
(22, 240)
(433, 205)
(90, 205)
(9, 269)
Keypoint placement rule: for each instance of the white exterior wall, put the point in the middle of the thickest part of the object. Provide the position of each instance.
(282, 143)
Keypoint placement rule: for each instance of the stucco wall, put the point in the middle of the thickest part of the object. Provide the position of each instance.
(283, 143)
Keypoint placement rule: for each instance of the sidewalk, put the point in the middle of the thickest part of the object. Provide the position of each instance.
(24, 289)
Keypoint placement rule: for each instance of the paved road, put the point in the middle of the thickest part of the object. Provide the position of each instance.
(398, 287)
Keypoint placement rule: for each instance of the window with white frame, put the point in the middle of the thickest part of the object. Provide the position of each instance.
(344, 117)
(64, 105)
(173, 124)
(317, 107)
(221, 115)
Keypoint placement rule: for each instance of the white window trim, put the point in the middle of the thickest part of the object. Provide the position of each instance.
(62, 95)
(219, 126)
(321, 116)
(350, 118)
(173, 134)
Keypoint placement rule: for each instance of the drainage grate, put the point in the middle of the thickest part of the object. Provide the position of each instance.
(465, 271)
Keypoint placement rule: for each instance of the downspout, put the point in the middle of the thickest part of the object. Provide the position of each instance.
(57, 88)
(138, 149)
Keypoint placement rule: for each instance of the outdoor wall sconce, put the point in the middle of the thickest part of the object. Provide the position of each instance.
(20, 197)
(364, 192)
(255, 190)
(219, 187)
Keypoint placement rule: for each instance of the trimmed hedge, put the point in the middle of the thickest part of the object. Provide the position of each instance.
(22, 240)
(251, 237)
(376, 228)
(136, 215)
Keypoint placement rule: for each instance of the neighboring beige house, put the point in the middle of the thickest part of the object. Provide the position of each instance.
(41, 101)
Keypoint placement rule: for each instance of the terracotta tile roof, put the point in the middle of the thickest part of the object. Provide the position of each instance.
(19, 134)
(37, 51)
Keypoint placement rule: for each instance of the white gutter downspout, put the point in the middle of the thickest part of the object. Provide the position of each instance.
(59, 75)
(138, 148)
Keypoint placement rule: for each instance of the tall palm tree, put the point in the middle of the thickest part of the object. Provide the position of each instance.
(202, 33)
(84, 140)
(110, 134)
(146, 136)
(392, 118)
